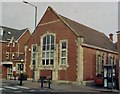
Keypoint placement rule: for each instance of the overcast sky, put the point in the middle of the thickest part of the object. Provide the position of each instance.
(102, 16)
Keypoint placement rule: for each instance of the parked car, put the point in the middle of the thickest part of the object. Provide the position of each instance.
(99, 80)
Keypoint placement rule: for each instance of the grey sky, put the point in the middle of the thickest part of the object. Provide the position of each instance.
(102, 16)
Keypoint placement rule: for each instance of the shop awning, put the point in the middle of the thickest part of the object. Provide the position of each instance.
(7, 62)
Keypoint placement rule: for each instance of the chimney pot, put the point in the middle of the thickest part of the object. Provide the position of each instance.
(111, 36)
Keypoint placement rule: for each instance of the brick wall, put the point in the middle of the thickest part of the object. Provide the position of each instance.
(61, 32)
(89, 59)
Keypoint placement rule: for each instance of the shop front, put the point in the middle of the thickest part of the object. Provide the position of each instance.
(7, 71)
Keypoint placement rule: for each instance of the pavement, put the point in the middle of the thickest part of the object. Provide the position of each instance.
(56, 87)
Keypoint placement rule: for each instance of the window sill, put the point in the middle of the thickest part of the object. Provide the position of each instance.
(46, 67)
(63, 67)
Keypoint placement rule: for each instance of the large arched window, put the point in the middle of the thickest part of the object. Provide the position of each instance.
(48, 50)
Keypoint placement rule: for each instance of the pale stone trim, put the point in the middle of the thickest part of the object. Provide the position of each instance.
(55, 67)
(79, 73)
(26, 47)
(47, 23)
(31, 65)
(36, 65)
(86, 82)
(17, 52)
(95, 47)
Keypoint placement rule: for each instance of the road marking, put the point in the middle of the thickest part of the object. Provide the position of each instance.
(17, 91)
(31, 90)
(10, 87)
(43, 90)
(23, 87)
(1, 89)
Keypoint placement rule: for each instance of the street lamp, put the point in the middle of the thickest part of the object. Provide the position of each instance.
(21, 71)
(34, 62)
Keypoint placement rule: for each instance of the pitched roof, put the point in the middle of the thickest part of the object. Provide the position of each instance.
(91, 36)
(8, 33)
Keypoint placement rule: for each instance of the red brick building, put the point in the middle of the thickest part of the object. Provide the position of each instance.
(67, 51)
(12, 46)
(118, 48)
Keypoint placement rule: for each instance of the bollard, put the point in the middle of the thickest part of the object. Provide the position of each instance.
(21, 79)
(49, 83)
(41, 81)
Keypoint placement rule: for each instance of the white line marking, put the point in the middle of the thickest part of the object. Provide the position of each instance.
(17, 91)
(43, 90)
(23, 87)
(1, 88)
(10, 87)
(31, 90)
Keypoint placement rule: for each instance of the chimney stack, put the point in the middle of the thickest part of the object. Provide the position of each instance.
(118, 49)
(118, 42)
(111, 36)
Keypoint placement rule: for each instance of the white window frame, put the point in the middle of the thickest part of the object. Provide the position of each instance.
(61, 50)
(111, 60)
(33, 58)
(47, 51)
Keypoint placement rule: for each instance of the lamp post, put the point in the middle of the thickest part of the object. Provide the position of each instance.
(34, 61)
(21, 71)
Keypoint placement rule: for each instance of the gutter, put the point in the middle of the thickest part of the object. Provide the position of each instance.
(95, 47)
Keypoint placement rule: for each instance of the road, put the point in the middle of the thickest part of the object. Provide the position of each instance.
(13, 87)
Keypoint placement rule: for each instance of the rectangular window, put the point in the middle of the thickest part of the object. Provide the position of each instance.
(63, 52)
(63, 61)
(34, 48)
(43, 62)
(99, 64)
(111, 61)
(33, 54)
(52, 54)
(13, 55)
(7, 55)
(43, 55)
(20, 67)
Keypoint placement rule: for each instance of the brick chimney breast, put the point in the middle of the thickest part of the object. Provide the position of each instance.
(111, 36)
(118, 43)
